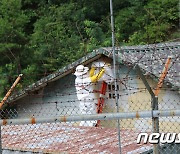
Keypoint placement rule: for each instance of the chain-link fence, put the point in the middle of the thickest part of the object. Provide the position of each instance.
(52, 135)
(54, 119)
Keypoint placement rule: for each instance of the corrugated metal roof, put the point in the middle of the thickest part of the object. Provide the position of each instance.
(58, 137)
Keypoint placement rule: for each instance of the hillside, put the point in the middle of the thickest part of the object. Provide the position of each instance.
(39, 37)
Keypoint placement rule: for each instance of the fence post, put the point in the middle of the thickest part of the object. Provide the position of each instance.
(115, 75)
(154, 106)
(155, 123)
(0, 141)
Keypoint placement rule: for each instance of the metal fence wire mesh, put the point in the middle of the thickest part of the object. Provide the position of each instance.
(69, 116)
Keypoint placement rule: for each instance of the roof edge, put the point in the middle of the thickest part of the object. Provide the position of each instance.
(107, 51)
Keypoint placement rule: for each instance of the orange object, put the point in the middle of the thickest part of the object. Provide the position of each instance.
(10, 90)
(163, 75)
(101, 100)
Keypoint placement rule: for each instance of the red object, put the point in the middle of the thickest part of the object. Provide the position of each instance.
(101, 100)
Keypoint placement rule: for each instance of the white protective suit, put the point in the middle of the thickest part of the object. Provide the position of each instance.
(84, 83)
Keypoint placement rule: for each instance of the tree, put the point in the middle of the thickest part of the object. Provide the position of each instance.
(12, 41)
(144, 22)
(39, 37)
(62, 35)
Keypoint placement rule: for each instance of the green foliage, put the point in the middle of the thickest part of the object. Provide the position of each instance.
(54, 41)
(12, 41)
(39, 37)
(144, 22)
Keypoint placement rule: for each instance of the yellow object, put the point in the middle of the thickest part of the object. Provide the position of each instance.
(96, 77)
(91, 72)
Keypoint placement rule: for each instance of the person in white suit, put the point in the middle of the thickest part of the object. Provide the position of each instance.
(84, 84)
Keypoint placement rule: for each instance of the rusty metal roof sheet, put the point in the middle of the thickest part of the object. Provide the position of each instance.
(56, 137)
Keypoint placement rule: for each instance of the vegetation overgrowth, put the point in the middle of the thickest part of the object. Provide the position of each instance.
(39, 37)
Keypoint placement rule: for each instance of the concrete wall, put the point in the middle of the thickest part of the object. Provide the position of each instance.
(133, 96)
(57, 98)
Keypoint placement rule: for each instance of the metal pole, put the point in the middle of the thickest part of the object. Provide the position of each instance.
(0, 141)
(10, 90)
(154, 106)
(103, 116)
(155, 123)
(115, 75)
(155, 120)
(163, 75)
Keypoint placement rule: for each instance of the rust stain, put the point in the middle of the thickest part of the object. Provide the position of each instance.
(4, 122)
(99, 139)
(137, 115)
(33, 120)
(63, 119)
(172, 113)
